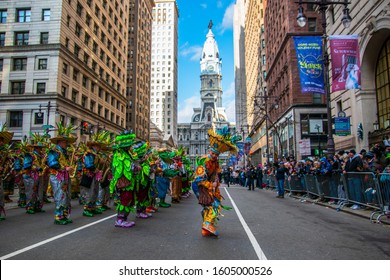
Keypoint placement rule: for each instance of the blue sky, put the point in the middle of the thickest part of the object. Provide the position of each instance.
(193, 21)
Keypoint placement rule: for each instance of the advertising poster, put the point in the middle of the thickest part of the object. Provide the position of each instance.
(344, 52)
(310, 65)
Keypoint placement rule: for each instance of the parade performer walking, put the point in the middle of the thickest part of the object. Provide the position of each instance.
(206, 176)
(60, 163)
(5, 163)
(34, 169)
(141, 172)
(163, 175)
(92, 174)
(104, 192)
(123, 181)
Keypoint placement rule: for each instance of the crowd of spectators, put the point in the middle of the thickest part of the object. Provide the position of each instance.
(376, 161)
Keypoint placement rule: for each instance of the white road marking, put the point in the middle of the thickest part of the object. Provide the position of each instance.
(259, 252)
(18, 252)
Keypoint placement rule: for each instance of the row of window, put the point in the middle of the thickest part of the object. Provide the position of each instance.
(23, 15)
(21, 38)
(20, 64)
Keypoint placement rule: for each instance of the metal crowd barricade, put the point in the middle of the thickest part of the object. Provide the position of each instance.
(312, 185)
(362, 189)
(269, 180)
(380, 196)
(296, 184)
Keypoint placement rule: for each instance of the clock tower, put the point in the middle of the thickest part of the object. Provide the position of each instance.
(210, 76)
(210, 114)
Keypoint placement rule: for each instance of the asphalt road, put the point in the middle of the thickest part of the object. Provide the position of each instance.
(259, 227)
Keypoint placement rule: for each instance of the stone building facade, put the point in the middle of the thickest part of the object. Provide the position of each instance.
(63, 61)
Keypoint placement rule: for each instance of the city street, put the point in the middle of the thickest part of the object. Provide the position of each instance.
(259, 226)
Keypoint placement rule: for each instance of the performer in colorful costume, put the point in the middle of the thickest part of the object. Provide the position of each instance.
(92, 174)
(104, 192)
(123, 181)
(5, 163)
(163, 175)
(34, 174)
(206, 176)
(60, 163)
(141, 172)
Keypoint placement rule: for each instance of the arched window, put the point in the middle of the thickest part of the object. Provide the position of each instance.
(209, 117)
(211, 83)
(382, 81)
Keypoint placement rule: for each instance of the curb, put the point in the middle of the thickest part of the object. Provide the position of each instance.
(344, 209)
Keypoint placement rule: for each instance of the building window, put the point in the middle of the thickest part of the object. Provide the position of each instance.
(74, 96)
(18, 87)
(23, 15)
(44, 38)
(76, 50)
(38, 118)
(46, 14)
(3, 16)
(76, 75)
(382, 83)
(84, 100)
(79, 9)
(19, 64)
(41, 88)
(312, 24)
(65, 68)
(21, 38)
(15, 118)
(78, 30)
(92, 106)
(64, 90)
(2, 39)
(1, 64)
(42, 64)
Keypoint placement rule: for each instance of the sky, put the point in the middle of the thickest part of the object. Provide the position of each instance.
(194, 18)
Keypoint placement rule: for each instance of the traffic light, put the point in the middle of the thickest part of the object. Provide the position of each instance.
(84, 128)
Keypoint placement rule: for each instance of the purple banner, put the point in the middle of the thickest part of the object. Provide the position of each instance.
(345, 62)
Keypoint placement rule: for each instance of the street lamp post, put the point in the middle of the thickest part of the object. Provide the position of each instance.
(48, 106)
(319, 140)
(346, 20)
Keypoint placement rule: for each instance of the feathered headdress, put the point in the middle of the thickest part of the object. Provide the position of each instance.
(5, 134)
(38, 140)
(64, 133)
(125, 139)
(221, 141)
(99, 139)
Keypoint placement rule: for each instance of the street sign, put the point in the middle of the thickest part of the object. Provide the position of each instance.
(342, 126)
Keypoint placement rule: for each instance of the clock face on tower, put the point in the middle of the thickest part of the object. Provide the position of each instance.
(210, 68)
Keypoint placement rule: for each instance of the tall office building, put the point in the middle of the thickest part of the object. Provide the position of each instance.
(240, 9)
(139, 65)
(63, 61)
(163, 102)
(256, 88)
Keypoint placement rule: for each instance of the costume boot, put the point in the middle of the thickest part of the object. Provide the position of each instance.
(121, 222)
(163, 204)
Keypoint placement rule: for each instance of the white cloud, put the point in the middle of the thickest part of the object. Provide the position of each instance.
(203, 5)
(227, 22)
(186, 108)
(194, 52)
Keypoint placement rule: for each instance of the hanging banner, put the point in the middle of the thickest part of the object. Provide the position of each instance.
(310, 63)
(304, 147)
(344, 51)
(240, 146)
